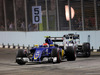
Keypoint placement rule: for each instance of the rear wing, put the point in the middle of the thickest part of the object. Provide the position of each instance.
(72, 36)
(56, 39)
(76, 36)
(60, 39)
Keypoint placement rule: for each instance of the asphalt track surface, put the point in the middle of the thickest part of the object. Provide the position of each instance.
(82, 66)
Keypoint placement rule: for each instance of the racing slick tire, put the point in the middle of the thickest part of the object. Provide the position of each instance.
(19, 57)
(57, 54)
(86, 49)
(70, 53)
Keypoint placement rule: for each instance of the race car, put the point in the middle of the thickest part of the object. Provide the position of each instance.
(48, 51)
(82, 50)
(73, 40)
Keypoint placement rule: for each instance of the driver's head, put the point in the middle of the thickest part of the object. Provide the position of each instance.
(45, 44)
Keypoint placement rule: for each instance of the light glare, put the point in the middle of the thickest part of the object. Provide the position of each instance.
(67, 12)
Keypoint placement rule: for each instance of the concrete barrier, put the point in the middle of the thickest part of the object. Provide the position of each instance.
(15, 46)
(29, 47)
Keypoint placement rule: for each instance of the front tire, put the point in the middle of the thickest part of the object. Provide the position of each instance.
(19, 57)
(56, 54)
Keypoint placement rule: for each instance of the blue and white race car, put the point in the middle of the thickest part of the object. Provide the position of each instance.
(48, 51)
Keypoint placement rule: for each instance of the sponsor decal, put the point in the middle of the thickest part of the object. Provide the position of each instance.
(36, 55)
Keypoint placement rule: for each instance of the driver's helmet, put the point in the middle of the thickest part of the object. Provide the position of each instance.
(45, 44)
(47, 40)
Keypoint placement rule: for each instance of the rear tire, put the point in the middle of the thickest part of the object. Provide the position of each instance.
(70, 54)
(86, 49)
(20, 55)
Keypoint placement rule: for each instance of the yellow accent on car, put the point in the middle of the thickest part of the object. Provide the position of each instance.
(46, 36)
(62, 52)
(36, 45)
(36, 57)
(51, 44)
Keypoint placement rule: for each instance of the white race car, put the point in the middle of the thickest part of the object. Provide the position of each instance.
(72, 41)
